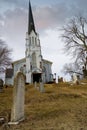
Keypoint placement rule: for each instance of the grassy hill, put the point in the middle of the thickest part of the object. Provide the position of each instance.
(61, 107)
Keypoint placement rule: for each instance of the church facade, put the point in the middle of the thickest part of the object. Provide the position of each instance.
(33, 66)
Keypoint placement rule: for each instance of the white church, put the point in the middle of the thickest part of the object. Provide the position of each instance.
(33, 66)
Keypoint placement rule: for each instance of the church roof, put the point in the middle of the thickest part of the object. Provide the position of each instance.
(19, 61)
(31, 25)
(24, 60)
(47, 61)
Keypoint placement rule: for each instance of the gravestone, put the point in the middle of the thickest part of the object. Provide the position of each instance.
(41, 88)
(1, 85)
(35, 84)
(75, 79)
(17, 113)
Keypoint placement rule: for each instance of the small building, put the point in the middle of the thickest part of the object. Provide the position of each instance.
(33, 65)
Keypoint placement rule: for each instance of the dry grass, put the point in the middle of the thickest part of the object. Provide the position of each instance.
(61, 107)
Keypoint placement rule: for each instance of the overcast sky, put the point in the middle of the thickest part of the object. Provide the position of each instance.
(49, 17)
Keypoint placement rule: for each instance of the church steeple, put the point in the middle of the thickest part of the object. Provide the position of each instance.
(31, 25)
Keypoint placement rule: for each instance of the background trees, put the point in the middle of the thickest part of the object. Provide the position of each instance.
(5, 56)
(75, 39)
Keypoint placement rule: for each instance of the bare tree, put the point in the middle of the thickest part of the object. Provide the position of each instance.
(71, 68)
(5, 54)
(75, 38)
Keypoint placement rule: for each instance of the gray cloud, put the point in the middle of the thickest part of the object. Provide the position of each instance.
(13, 23)
(1, 24)
(46, 17)
(50, 17)
(53, 16)
(14, 29)
(20, 3)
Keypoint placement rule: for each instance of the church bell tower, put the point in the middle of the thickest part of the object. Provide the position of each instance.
(33, 52)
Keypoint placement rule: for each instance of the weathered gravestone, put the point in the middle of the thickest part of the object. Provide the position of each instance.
(1, 85)
(75, 79)
(17, 113)
(35, 84)
(41, 88)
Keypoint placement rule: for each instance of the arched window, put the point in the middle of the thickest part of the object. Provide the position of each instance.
(29, 40)
(41, 65)
(35, 41)
(32, 40)
(34, 59)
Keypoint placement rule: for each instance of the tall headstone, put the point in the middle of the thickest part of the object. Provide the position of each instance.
(41, 88)
(17, 113)
(35, 84)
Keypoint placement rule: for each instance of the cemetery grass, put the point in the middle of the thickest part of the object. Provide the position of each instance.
(61, 107)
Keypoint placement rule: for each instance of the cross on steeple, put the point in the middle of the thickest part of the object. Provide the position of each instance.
(31, 25)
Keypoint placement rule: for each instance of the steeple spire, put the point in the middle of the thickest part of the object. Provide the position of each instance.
(31, 25)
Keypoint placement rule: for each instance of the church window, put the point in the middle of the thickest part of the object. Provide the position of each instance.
(40, 64)
(44, 69)
(35, 41)
(34, 60)
(29, 40)
(38, 42)
(30, 66)
(21, 69)
(32, 40)
(24, 65)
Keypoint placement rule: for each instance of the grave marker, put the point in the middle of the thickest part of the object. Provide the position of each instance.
(42, 90)
(17, 114)
(75, 79)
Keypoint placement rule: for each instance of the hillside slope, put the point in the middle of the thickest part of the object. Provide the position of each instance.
(61, 107)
